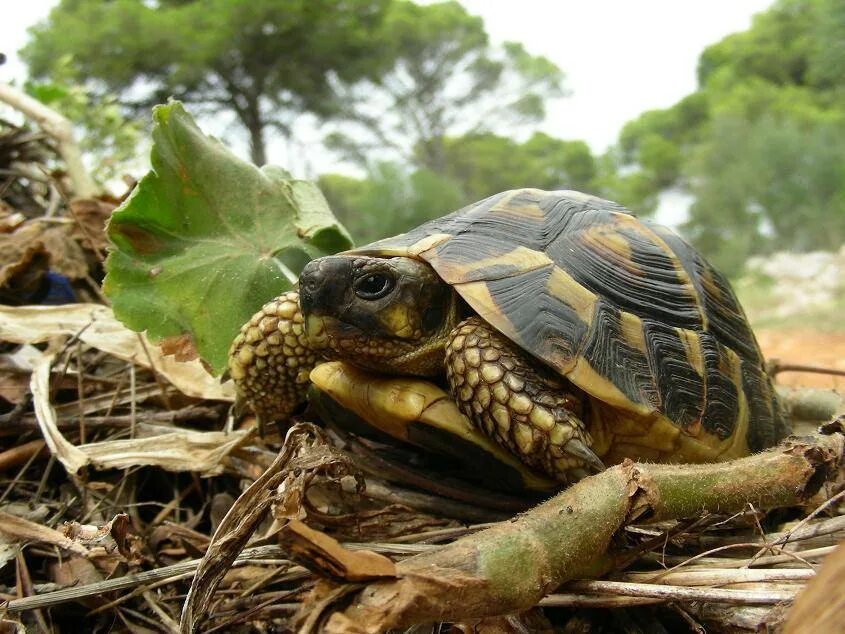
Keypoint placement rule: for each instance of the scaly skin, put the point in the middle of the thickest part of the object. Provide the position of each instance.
(270, 359)
(526, 409)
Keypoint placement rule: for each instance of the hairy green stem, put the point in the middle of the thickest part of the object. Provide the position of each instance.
(511, 566)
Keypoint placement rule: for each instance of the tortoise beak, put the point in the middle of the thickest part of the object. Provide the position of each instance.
(323, 286)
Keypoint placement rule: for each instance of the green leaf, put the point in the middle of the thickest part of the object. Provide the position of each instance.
(206, 238)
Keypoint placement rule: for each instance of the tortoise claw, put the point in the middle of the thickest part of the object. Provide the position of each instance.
(578, 449)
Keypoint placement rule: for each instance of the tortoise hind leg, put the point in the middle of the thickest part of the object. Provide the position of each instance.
(527, 409)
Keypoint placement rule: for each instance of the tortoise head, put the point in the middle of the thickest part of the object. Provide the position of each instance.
(387, 314)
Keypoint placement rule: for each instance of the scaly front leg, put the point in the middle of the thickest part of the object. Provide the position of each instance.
(524, 407)
(270, 359)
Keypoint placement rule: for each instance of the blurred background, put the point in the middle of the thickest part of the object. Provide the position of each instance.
(725, 119)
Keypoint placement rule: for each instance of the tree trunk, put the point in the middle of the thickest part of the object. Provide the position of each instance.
(257, 147)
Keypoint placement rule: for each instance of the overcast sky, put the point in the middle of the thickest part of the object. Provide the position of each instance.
(621, 57)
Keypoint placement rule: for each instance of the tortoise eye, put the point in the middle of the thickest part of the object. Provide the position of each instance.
(373, 286)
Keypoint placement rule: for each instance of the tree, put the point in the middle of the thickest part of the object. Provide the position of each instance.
(484, 164)
(759, 144)
(445, 81)
(393, 198)
(267, 61)
(768, 185)
(390, 200)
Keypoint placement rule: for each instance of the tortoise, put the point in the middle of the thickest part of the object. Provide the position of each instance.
(567, 330)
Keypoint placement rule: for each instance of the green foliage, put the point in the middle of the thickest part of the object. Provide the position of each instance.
(768, 184)
(205, 239)
(444, 80)
(759, 144)
(389, 200)
(265, 60)
(108, 139)
(827, 53)
(484, 164)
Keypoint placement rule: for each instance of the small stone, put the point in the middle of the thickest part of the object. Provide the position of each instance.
(268, 325)
(458, 343)
(490, 354)
(465, 393)
(287, 310)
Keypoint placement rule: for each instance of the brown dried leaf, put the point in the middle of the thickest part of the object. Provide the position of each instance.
(383, 524)
(325, 556)
(9, 218)
(22, 530)
(96, 326)
(14, 386)
(89, 535)
(75, 571)
(64, 254)
(179, 450)
(91, 216)
(180, 347)
(22, 267)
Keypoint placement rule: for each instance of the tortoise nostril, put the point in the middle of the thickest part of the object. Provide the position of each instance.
(309, 284)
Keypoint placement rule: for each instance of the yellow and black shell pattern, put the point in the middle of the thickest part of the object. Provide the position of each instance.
(624, 309)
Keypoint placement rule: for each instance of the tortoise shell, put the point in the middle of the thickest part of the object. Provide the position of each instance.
(624, 309)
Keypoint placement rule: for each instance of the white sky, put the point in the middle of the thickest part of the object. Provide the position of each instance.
(621, 57)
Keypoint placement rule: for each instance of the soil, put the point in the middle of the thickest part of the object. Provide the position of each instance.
(806, 347)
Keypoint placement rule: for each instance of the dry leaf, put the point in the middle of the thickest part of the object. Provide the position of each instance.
(75, 571)
(182, 450)
(96, 326)
(9, 218)
(23, 530)
(91, 216)
(181, 347)
(325, 556)
(65, 254)
(21, 270)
